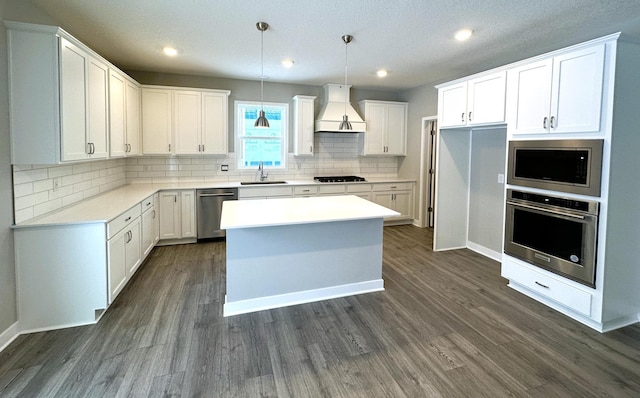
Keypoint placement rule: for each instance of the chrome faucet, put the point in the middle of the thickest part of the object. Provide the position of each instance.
(263, 176)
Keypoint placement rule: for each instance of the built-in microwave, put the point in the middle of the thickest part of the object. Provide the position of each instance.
(573, 166)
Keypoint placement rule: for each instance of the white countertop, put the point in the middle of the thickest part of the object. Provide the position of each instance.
(109, 205)
(288, 211)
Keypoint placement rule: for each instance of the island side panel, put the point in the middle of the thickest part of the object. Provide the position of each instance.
(271, 261)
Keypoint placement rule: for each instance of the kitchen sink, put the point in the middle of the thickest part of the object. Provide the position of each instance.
(261, 182)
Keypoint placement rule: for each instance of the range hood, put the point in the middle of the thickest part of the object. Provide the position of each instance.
(330, 116)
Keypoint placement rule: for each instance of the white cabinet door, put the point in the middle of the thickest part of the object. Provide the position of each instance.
(215, 130)
(117, 267)
(486, 99)
(149, 231)
(386, 128)
(187, 119)
(557, 95)
(577, 91)
(132, 96)
(188, 214)
(98, 109)
(383, 199)
(73, 101)
(396, 137)
(117, 115)
(170, 223)
(303, 124)
(375, 137)
(402, 201)
(156, 121)
(452, 105)
(529, 97)
(133, 255)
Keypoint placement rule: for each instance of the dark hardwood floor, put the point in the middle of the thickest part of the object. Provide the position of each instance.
(446, 325)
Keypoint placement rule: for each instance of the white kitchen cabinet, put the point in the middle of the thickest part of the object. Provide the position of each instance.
(156, 121)
(396, 196)
(124, 253)
(386, 128)
(303, 125)
(195, 120)
(477, 101)
(305, 191)
(361, 190)
(265, 192)
(65, 84)
(124, 115)
(561, 94)
(150, 224)
(177, 214)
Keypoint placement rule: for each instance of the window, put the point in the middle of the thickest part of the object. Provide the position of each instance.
(266, 145)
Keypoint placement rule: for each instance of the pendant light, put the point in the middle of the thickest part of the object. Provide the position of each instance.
(345, 125)
(262, 121)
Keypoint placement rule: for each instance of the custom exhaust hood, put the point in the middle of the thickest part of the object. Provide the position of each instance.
(330, 116)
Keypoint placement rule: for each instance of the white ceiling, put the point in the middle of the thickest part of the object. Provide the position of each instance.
(413, 39)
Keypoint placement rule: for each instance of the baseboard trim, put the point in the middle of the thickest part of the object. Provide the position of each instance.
(8, 336)
(492, 254)
(307, 296)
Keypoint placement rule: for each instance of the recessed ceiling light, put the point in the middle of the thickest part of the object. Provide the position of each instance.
(463, 34)
(170, 51)
(287, 63)
(381, 72)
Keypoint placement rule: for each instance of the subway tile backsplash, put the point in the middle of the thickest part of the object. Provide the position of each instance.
(42, 189)
(39, 189)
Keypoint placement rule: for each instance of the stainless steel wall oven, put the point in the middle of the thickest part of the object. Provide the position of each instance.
(555, 233)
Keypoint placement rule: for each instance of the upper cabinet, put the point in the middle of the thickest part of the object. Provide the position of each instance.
(386, 128)
(303, 123)
(59, 97)
(124, 115)
(477, 101)
(184, 121)
(562, 94)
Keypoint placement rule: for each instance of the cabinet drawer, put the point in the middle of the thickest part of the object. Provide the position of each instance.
(547, 286)
(264, 192)
(331, 189)
(305, 190)
(358, 188)
(124, 219)
(392, 186)
(148, 203)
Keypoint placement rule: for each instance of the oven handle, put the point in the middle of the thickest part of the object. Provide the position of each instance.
(560, 213)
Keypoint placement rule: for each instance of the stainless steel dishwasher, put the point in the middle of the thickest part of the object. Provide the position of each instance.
(209, 210)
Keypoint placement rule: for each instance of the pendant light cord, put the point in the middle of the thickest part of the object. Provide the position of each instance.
(262, 70)
(346, 62)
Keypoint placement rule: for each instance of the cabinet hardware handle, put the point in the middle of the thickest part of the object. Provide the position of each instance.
(544, 122)
(470, 115)
(127, 219)
(394, 187)
(169, 147)
(202, 147)
(540, 284)
(552, 122)
(148, 203)
(154, 213)
(93, 148)
(310, 148)
(462, 117)
(129, 145)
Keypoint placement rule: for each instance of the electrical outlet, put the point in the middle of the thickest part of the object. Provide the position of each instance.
(56, 184)
(224, 167)
(500, 178)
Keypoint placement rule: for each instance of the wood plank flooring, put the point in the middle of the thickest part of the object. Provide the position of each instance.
(446, 326)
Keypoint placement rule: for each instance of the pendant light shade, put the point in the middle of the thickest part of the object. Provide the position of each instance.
(345, 125)
(262, 121)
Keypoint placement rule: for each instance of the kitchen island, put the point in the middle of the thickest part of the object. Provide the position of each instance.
(283, 252)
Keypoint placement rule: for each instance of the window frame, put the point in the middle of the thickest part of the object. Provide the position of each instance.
(239, 136)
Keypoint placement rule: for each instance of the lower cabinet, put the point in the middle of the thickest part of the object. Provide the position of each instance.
(177, 214)
(150, 224)
(124, 256)
(395, 196)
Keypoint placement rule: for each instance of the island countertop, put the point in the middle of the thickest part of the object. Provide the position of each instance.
(290, 211)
